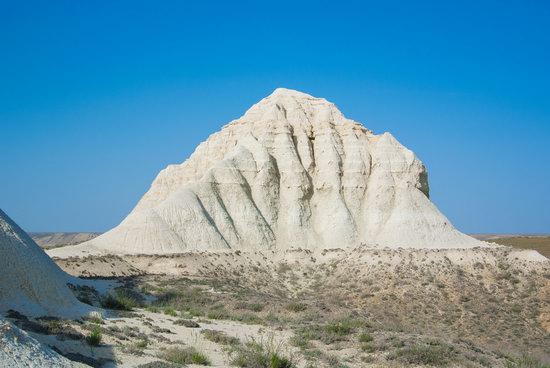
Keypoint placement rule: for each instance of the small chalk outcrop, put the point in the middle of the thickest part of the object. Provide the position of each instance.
(18, 349)
(30, 282)
(293, 172)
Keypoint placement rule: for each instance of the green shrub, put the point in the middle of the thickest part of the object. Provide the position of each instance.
(194, 312)
(342, 328)
(300, 342)
(187, 355)
(121, 300)
(330, 332)
(184, 298)
(142, 344)
(217, 314)
(256, 354)
(436, 354)
(365, 337)
(170, 311)
(220, 337)
(94, 338)
(248, 318)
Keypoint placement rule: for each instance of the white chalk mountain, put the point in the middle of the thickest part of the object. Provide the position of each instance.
(30, 282)
(293, 172)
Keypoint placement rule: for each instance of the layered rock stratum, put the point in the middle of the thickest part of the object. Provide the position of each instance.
(30, 282)
(292, 172)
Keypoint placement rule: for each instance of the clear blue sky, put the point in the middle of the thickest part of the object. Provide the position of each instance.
(97, 96)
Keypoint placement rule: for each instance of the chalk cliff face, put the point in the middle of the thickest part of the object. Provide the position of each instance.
(30, 282)
(292, 172)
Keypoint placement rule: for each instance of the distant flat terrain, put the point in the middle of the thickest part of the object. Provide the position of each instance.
(493, 236)
(538, 242)
(55, 240)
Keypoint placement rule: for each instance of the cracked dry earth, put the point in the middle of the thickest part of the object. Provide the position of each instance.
(358, 308)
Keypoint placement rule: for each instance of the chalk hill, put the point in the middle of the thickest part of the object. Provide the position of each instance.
(30, 282)
(293, 172)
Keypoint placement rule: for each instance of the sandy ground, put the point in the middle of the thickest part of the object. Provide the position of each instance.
(487, 305)
(119, 334)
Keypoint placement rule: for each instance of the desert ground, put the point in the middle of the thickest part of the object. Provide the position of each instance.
(336, 308)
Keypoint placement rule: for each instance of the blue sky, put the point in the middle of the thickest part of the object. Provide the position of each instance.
(97, 96)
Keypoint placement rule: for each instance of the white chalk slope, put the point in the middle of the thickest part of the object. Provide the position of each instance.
(30, 282)
(293, 172)
(18, 349)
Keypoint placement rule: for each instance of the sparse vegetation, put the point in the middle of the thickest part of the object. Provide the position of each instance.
(218, 314)
(137, 347)
(526, 362)
(258, 354)
(296, 307)
(254, 307)
(94, 337)
(331, 332)
(220, 337)
(365, 337)
(188, 355)
(300, 342)
(121, 300)
(183, 297)
(434, 354)
(142, 344)
(332, 361)
(376, 315)
(342, 328)
(170, 311)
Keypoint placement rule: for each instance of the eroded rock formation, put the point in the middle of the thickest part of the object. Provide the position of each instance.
(30, 282)
(293, 172)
